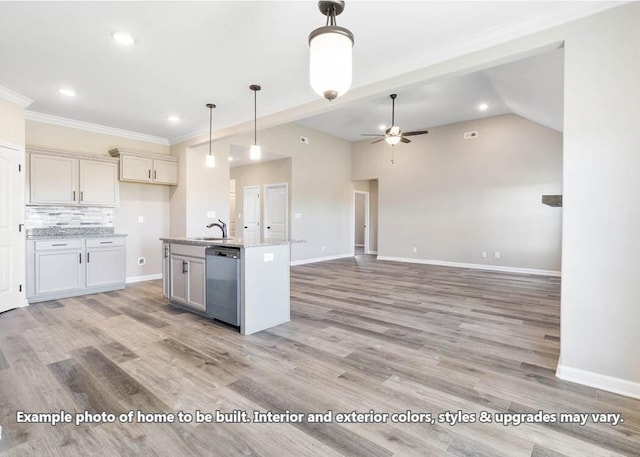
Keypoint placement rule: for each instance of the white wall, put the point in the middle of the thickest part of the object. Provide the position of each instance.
(321, 190)
(452, 198)
(600, 337)
(12, 123)
(147, 200)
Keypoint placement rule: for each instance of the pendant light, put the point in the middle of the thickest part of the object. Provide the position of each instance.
(255, 153)
(211, 159)
(330, 54)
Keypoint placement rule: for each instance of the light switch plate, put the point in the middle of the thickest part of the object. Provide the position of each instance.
(297, 215)
(140, 219)
(211, 214)
(268, 257)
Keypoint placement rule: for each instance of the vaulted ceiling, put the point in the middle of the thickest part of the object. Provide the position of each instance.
(189, 53)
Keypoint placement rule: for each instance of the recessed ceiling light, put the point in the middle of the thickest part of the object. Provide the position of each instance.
(230, 159)
(123, 38)
(173, 119)
(67, 92)
(483, 107)
(382, 127)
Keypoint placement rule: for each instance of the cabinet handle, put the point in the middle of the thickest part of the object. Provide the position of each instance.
(63, 244)
(166, 252)
(106, 242)
(185, 267)
(81, 195)
(74, 195)
(149, 174)
(20, 227)
(154, 174)
(80, 254)
(88, 257)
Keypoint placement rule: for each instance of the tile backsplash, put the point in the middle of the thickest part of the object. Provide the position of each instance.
(67, 216)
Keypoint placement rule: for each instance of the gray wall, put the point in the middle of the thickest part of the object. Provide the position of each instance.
(259, 174)
(452, 198)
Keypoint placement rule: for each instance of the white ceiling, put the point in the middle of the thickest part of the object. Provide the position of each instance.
(531, 88)
(190, 53)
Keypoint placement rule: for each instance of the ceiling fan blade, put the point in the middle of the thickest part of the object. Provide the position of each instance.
(416, 132)
(377, 141)
(405, 140)
(371, 134)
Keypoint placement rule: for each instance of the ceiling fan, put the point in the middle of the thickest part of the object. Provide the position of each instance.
(393, 135)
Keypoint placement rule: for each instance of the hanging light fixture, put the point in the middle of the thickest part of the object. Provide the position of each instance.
(255, 153)
(211, 159)
(330, 54)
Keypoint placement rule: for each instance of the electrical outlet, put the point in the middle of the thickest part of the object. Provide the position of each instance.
(297, 216)
(141, 260)
(415, 249)
(484, 254)
(211, 214)
(140, 219)
(268, 257)
(323, 248)
(496, 254)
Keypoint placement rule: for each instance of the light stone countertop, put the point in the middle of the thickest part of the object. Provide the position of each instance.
(231, 242)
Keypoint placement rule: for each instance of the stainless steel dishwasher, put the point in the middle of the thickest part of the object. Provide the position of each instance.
(223, 284)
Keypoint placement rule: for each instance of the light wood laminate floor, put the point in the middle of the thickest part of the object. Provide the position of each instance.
(365, 335)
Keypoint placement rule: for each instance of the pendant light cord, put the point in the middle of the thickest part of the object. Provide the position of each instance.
(210, 126)
(255, 117)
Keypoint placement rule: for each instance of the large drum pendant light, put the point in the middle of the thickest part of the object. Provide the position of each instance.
(330, 57)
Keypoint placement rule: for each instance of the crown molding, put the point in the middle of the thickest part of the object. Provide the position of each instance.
(14, 97)
(95, 128)
(188, 136)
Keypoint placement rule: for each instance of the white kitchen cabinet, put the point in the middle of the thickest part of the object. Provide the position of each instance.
(59, 268)
(188, 280)
(105, 262)
(147, 167)
(99, 183)
(53, 180)
(69, 179)
(166, 271)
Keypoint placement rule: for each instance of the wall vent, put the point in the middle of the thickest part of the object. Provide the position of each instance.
(469, 135)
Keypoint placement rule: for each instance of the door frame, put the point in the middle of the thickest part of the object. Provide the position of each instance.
(366, 221)
(266, 208)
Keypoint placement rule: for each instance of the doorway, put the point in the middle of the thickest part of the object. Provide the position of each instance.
(361, 222)
(276, 211)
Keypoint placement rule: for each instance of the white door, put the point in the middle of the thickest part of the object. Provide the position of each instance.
(12, 242)
(276, 211)
(251, 214)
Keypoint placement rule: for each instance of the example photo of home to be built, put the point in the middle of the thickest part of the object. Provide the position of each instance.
(320, 228)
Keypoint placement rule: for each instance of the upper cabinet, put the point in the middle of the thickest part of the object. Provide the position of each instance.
(146, 167)
(68, 179)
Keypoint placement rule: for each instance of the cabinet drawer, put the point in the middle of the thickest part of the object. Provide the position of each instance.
(187, 249)
(58, 244)
(104, 242)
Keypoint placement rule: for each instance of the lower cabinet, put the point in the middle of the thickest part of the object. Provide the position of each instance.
(76, 266)
(188, 276)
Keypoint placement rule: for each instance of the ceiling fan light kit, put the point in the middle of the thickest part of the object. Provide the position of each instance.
(330, 54)
(394, 135)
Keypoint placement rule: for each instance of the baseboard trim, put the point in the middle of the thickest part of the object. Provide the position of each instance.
(321, 259)
(599, 381)
(477, 266)
(132, 279)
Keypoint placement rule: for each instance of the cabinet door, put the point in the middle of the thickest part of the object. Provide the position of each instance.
(196, 284)
(98, 183)
(166, 268)
(179, 267)
(133, 168)
(53, 180)
(57, 271)
(165, 171)
(105, 266)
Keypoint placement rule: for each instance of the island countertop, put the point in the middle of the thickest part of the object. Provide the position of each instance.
(231, 242)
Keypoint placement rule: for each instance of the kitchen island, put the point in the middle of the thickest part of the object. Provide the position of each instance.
(190, 276)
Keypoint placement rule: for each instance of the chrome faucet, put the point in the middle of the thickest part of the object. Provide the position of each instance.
(222, 226)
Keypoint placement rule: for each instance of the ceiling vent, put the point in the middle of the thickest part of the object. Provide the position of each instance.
(469, 135)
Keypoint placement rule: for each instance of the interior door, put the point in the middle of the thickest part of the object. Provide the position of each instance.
(12, 243)
(276, 211)
(251, 214)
